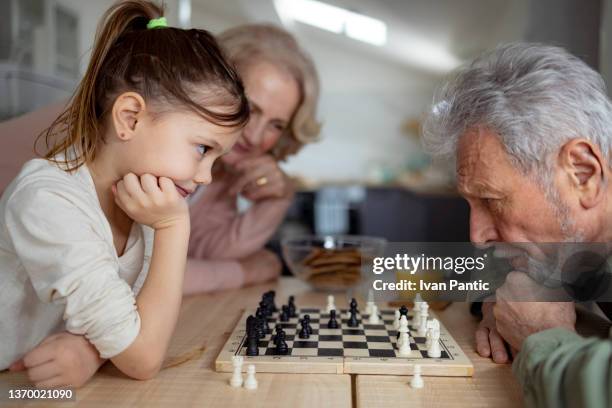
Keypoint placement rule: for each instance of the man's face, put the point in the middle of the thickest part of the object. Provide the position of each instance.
(505, 205)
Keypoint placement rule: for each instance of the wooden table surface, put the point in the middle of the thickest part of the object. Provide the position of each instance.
(205, 322)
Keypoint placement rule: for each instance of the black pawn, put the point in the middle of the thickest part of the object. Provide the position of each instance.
(304, 334)
(306, 322)
(284, 316)
(252, 346)
(281, 344)
(272, 303)
(292, 311)
(278, 328)
(263, 322)
(353, 319)
(353, 304)
(404, 311)
(333, 323)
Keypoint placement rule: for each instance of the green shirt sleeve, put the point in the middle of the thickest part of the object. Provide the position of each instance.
(559, 368)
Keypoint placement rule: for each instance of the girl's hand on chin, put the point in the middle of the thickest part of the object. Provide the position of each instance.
(151, 201)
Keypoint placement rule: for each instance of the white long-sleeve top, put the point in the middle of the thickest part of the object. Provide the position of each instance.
(59, 269)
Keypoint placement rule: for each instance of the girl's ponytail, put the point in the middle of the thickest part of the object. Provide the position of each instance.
(154, 62)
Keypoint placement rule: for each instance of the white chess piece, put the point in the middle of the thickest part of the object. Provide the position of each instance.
(236, 380)
(417, 380)
(434, 347)
(416, 314)
(422, 330)
(330, 303)
(370, 302)
(430, 326)
(396, 322)
(418, 298)
(404, 339)
(374, 319)
(251, 382)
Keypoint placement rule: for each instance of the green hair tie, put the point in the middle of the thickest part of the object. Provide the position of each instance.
(157, 23)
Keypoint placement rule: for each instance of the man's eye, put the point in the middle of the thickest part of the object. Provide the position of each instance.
(202, 149)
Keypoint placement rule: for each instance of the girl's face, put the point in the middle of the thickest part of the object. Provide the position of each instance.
(274, 96)
(179, 145)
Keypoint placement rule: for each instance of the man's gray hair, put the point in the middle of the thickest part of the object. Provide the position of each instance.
(535, 97)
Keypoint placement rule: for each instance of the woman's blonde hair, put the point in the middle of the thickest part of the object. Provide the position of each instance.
(247, 44)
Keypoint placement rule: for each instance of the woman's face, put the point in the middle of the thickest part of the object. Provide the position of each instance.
(274, 96)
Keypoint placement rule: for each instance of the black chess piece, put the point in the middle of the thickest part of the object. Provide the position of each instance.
(272, 302)
(281, 344)
(263, 322)
(353, 319)
(333, 323)
(404, 311)
(278, 328)
(353, 304)
(265, 308)
(292, 309)
(284, 316)
(252, 344)
(304, 334)
(306, 322)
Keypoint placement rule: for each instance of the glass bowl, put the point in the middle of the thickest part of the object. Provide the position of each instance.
(332, 262)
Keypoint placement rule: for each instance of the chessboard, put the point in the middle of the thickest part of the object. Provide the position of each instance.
(364, 349)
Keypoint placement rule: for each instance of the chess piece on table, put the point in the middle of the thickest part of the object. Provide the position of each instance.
(236, 380)
(251, 382)
(422, 328)
(374, 319)
(284, 315)
(417, 380)
(434, 350)
(404, 339)
(416, 314)
(353, 322)
(292, 308)
(370, 302)
(306, 322)
(281, 345)
(333, 323)
(330, 304)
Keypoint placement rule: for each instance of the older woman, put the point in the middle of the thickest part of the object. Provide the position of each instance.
(226, 247)
(282, 86)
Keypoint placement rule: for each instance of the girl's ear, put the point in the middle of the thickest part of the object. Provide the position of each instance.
(128, 108)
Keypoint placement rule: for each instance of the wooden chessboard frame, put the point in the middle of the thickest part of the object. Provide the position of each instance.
(458, 365)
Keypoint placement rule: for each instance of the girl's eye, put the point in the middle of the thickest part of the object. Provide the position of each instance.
(202, 149)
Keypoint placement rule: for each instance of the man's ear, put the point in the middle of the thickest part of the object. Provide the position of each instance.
(584, 166)
(128, 108)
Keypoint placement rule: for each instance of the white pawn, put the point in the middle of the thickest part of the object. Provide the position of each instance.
(416, 314)
(330, 303)
(251, 382)
(418, 298)
(404, 340)
(434, 347)
(236, 380)
(417, 380)
(396, 322)
(373, 319)
(370, 302)
(423, 319)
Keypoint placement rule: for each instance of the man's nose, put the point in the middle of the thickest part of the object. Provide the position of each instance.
(482, 227)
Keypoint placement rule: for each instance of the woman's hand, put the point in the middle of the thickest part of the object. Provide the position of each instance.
(151, 201)
(261, 266)
(259, 178)
(60, 360)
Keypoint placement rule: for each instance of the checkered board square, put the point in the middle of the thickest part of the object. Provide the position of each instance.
(365, 349)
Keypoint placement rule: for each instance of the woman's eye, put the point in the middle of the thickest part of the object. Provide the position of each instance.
(202, 149)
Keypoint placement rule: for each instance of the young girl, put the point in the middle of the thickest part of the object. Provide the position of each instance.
(94, 237)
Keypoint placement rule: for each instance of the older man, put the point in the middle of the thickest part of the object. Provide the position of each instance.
(530, 127)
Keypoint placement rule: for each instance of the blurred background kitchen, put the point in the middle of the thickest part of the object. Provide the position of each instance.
(379, 63)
